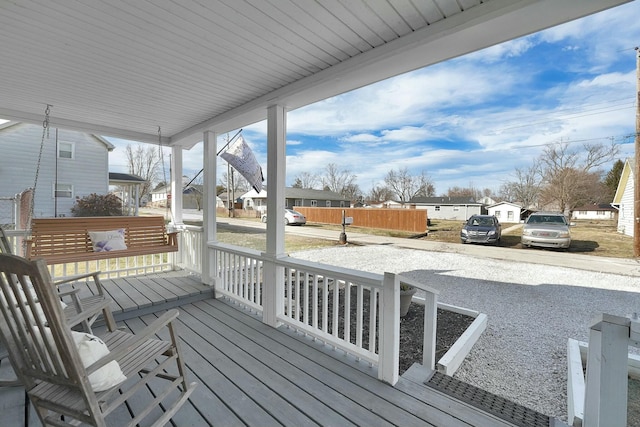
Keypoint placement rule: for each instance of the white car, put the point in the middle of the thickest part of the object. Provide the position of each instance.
(546, 230)
(291, 217)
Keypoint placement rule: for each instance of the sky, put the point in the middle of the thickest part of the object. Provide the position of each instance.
(470, 121)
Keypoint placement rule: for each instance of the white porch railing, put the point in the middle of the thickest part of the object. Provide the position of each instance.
(606, 388)
(190, 244)
(355, 311)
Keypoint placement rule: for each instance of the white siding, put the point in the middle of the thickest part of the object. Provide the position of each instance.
(87, 171)
(593, 215)
(625, 215)
(453, 212)
(505, 212)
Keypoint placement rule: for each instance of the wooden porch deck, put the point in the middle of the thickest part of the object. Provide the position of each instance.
(250, 374)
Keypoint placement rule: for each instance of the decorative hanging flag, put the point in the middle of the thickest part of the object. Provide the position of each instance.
(240, 156)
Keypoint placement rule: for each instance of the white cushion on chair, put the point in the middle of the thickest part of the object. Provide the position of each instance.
(112, 240)
(91, 349)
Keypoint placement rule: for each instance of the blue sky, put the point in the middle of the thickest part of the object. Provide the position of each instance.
(472, 120)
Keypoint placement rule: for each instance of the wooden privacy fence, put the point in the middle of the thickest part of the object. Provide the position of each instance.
(414, 220)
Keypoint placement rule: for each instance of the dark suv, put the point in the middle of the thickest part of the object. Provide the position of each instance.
(481, 229)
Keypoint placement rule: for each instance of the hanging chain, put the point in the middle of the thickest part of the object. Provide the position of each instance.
(45, 134)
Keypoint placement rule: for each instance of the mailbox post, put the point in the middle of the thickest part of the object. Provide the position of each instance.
(346, 220)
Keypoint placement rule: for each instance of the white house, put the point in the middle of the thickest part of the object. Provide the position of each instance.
(295, 197)
(444, 207)
(72, 165)
(602, 211)
(623, 199)
(505, 211)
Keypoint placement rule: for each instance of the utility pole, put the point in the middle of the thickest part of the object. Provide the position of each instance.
(636, 171)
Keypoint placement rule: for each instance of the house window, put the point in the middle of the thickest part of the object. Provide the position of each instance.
(599, 212)
(342, 203)
(510, 215)
(327, 203)
(65, 150)
(298, 202)
(582, 213)
(437, 208)
(314, 203)
(497, 214)
(63, 191)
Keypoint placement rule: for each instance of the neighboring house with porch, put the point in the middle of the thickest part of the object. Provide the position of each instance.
(72, 165)
(624, 198)
(444, 207)
(296, 197)
(505, 211)
(600, 211)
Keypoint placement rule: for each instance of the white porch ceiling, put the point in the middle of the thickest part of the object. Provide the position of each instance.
(123, 68)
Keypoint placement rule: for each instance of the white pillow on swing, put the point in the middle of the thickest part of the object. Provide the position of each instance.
(112, 240)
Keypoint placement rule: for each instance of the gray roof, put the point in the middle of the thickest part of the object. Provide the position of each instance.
(444, 200)
(125, 178)
(308, 193)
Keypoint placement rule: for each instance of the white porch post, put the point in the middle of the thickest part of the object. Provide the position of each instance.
(136, 197)
(209, 265)
(389, 344)
(607, 370)
(176, 185)
(273, 282)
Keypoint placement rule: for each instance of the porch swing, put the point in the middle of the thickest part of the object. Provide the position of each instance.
(77, 239)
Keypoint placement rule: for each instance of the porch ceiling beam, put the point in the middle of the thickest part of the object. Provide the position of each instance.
(92, 128)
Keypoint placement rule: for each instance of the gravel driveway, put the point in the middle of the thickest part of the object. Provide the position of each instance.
(532, 310)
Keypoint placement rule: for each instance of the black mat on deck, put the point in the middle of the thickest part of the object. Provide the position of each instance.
(488, 402)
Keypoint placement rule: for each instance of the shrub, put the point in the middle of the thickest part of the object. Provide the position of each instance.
(97, 205)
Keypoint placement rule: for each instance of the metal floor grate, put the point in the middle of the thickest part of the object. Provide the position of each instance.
(488, 402)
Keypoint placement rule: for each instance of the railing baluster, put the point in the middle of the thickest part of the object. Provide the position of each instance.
(305, 307)
(359, 314)
(325, 304)
(297, 300)
(314, 297)
(336, 308)
(347, 312)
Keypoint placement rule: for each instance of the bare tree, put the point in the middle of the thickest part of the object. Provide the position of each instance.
(144, 161)
(570, 177)
(406, 186)
(338, 181)
(470, 192)
(525, 188)
(380, 194)
(306, 180)
(237, 183)
(352, 192)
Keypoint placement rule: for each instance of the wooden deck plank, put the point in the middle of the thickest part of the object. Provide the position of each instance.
(254, 375)
(354, 379)
(12, 405)
(353, 402)
(410, 401)
(281, 377)
(134, 298)
(187, 286)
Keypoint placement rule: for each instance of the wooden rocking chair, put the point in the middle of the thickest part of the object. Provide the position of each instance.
(61, 380)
